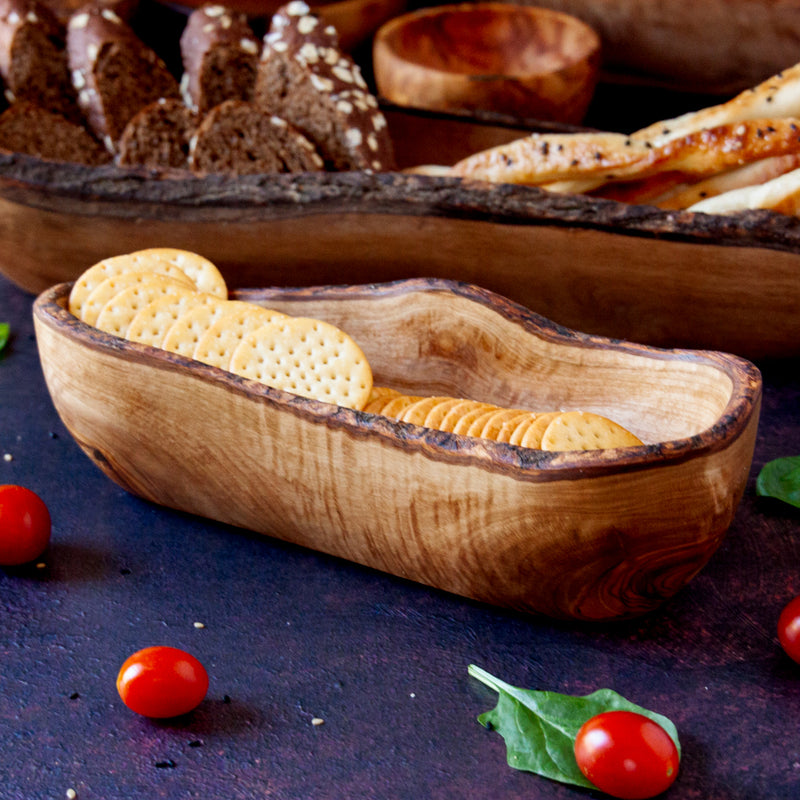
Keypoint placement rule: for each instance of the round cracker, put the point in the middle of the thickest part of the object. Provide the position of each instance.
(93, 304)
(465, 423)
(223, 336)
(583, 430)
(535, 432)
(454, 415)
(109, 267)
(418, 412)
(150, 325)
(106, 289)
(397, 405)
(522, 425)
(440, 411)
(377, 402)
(185, 333)
(382, 391)
(200, 270)
(118, 313)
(500, 424)
(479, 423)
(307, 357)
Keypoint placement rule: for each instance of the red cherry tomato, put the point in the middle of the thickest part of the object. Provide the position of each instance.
(24, 525)
(162, 682)
(626, 755)
(789, 629)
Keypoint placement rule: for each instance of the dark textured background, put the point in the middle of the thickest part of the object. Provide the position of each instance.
(291, 635)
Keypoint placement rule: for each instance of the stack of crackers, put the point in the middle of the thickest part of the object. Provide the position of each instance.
(178, 301)
(541, 430)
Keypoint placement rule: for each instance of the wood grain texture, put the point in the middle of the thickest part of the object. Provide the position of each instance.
(526, 62)
(594, 535)
(715, 46)
(662, 278)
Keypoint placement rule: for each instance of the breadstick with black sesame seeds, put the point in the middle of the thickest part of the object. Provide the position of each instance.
(599, 159)
(775, 98)
(543, 157)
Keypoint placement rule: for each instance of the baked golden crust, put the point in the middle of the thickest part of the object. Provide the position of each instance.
(543, 158)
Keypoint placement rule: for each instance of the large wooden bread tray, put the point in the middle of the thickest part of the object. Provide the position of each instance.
(662, 278)
(590, 535)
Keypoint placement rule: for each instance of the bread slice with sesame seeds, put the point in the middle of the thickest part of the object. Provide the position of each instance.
(115, 73)
(220, 54)
(305, 78)
(239, 138)
(33, 60)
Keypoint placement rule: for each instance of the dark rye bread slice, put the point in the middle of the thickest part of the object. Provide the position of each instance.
(115, 73)
(220, 54)
(305, 78)
(33, 61)
(239, 138)
(28, 128)
(158, 136)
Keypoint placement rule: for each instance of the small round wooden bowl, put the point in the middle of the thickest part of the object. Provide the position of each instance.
(530, 63)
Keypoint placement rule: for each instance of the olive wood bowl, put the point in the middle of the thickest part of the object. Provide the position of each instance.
(592, 535)
(520, 60)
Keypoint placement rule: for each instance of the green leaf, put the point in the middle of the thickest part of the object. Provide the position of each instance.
(539, 728)
(780, 479)
(5, 333)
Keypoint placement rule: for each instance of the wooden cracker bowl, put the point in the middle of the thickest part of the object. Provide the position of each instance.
(592, 535)
(528, 62)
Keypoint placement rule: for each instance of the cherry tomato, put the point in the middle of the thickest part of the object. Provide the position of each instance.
(789, 629)
(162, 682)
(626, 755)
(24, 525)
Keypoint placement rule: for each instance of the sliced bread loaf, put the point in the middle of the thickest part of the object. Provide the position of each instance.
(28, 128)
(239, 138)
(158, 136)
(220, 54)
(33, 61)
(115, 72)
(305, 78)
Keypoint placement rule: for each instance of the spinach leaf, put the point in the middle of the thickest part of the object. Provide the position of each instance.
(539, 727)
(5, 333)
(780, 479)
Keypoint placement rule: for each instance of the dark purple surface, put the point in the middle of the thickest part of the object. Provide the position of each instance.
(291, 635)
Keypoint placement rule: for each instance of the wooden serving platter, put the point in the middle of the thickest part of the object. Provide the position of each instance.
(589, 535)
(631, 272)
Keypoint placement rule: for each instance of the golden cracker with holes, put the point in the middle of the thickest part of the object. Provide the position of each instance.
(307, 357)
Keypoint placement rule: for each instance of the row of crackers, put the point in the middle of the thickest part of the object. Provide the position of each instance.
(178, 301)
